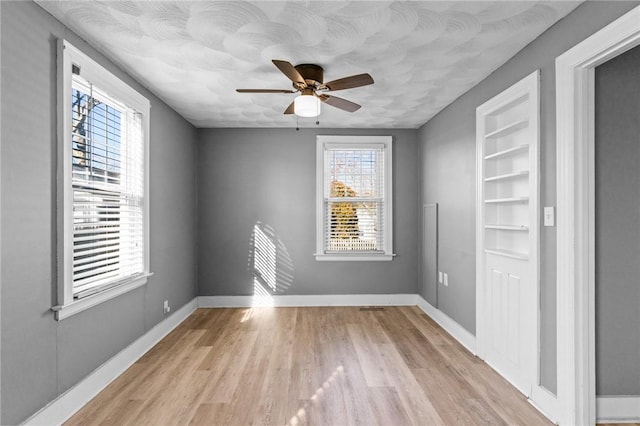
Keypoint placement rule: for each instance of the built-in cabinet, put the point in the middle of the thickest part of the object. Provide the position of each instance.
(507, 133)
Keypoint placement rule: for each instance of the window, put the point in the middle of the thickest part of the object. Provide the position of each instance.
(103, 206)
(354, 212)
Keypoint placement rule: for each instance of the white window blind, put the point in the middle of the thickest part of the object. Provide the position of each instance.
(108, 190)
(103, 203)
(355, 196)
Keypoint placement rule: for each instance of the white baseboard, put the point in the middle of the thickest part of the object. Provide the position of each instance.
(307, 300)
(618, 409)
(543, 400)
(609, 409)
(458, 332)
(467, 339)
(67, 404)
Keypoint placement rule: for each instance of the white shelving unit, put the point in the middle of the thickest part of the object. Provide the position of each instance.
(507, 291)
(513, 175)
(506, 173)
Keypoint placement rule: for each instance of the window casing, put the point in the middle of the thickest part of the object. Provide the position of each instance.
(353, 195)
(103, 238)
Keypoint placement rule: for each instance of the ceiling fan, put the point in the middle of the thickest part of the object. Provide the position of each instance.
(308, 80)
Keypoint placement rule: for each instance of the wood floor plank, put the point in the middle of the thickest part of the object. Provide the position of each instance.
(387, 407)
(497, 392)
(368, 357)
(417, 403)
(211, 414)
(309, 366)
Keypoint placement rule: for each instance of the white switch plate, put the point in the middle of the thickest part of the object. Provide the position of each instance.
(446, 279)
(440, 277)
(549, 216)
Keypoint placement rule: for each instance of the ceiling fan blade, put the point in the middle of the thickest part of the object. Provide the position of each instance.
(340, 103)
(290, 71)
(289, 109)
(265, 91)
(349, 82)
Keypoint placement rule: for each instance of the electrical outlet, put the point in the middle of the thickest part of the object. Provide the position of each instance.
(440, 277)
(446, 280)
(166, 307)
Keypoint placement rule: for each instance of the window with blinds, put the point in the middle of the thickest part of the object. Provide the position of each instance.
(354, 196)
(108, 190)
(103, 248)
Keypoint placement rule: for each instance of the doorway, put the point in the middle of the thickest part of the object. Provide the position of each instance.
(575, 93)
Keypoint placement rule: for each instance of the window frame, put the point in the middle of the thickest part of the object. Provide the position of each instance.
(69, 55)
(345, 142)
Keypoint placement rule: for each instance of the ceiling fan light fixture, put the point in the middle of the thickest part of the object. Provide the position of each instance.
(306, 106)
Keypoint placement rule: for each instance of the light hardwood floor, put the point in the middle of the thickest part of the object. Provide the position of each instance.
(319, 366)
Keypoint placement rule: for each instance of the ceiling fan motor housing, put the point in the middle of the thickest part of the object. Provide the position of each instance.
(313, 74)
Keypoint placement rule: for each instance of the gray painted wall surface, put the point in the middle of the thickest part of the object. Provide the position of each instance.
(447, 145)
(267, 177)
(41, 358)
(618, 225)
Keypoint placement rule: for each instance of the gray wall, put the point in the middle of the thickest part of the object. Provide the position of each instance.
(447, 145)
(267, 177)
(618, 225)
(41, 358)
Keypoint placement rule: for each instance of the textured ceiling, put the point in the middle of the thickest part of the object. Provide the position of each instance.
(422, 55)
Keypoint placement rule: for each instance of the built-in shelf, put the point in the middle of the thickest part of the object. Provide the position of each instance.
(507, 253)
(508, 227)
(508, 200)
(507, 176)
(506, 152)
(508, 129)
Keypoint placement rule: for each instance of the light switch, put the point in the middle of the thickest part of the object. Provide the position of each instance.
(549, 216)
(446, 279)
(440, 277)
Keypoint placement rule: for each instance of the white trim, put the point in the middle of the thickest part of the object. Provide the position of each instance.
(576, 211)
(79, 305)
(449, 325)
(323, 257)
(458, 332)
(307, 300)
(545, 402)
(67, 55)
(364, 142)
(618, 409)
(67, 404)
(465, 338)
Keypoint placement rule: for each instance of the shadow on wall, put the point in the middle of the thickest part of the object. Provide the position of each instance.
(269, 263)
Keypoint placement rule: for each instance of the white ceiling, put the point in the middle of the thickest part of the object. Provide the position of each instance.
(422, 55)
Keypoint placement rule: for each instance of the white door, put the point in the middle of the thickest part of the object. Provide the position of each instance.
(509, 348)
(507, 233)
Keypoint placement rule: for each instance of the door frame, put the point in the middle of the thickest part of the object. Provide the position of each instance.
(575, 135)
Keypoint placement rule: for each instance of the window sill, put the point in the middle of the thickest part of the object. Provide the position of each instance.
(77, 306)
(350, 257)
